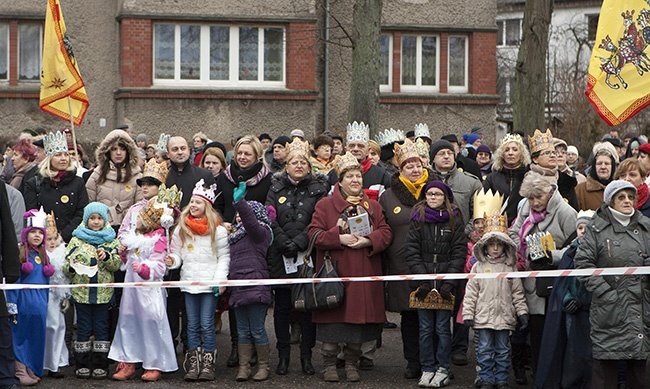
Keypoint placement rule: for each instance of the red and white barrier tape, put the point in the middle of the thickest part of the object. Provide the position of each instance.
(610, 271)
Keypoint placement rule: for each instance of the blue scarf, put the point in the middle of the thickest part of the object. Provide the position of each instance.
(105, 235)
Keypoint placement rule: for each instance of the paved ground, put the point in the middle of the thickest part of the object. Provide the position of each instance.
(388, 372)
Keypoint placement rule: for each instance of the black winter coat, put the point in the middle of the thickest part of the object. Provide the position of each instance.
(186, 179)
(294, 206)
(10, 269)
(67, 199)
(223, 204)
(433, 248)
(507, 182)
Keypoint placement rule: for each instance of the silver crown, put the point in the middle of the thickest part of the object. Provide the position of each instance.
(208, 193)
(421, 130)
(389, 136)
(55, 143)
(162, 142)
(358, 133)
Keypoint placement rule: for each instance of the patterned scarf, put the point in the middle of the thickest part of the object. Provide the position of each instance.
(251, 176)
(533, 218)
(262, 216)
(352, 199)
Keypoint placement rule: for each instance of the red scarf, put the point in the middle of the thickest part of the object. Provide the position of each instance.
(198, 226)
(366, 164)
(642, 193)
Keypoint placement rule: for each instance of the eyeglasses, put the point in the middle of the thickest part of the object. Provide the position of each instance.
(624, 196)
(444, 153)
(324, 148)
(548, 152)
(435, 194)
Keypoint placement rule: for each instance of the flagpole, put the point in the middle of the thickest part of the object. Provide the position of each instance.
(74, 138)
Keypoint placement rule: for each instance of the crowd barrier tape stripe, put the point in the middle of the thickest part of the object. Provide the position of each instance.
(610, 271)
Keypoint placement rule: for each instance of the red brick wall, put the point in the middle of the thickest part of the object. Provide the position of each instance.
(13, 53)
(136, 52)
(443, 63)
(397, 62)
(483, 63)
(301, 56)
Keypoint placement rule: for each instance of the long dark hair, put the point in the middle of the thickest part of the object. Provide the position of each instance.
(106, 165)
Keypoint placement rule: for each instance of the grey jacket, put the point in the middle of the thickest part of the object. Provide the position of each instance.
(463, 185)
(620, 307)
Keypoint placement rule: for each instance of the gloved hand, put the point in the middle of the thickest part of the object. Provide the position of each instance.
(215, 290)
(543, 263)
(423, 291)
(469, 323)
(571, 306)
(523, 322)
(446, 291)
(290, 249)
(65, 305)
(239, 192)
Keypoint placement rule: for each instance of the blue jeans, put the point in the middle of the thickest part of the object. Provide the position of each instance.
(250, 323)
(92, 319)
(437, 320)
(200, 309)
(493, 355)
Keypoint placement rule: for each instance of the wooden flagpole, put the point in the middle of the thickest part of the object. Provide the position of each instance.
(74, 138)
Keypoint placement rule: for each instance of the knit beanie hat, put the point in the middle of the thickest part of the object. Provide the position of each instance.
(440, 145)
(471, 138)
(584, 217)
(282, 140)
(572, 150)
(615, 187)
(98, 208)
(440, 185)
(483, 149)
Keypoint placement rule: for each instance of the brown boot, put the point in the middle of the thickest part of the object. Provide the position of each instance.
(329, 364)
(352, 355)
(262, 362)
(244, 351)
(207, 366)
(21, 374)
(192, 365)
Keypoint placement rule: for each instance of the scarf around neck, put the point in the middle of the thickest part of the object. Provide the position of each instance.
(415, 188)
(533, 218)
(352, 199)
(199, 226)
(87, 235)
(366, 165)
(551, 175)
(642, 193)
(251, 176)
(432, 215)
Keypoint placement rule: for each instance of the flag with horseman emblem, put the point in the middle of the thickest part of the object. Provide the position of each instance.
(618, 86)
(60, 77)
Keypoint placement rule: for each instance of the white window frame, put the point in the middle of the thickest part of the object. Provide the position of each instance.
(389, 87)
(458, 88)
(418, 87)
(8, 42)
(504, 35)
(233, 81)
(40, 52)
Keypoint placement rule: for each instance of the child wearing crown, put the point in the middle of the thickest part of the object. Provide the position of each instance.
(143, 334)
(200, 245)
(493, 307)
(56, 351)
(28, 326)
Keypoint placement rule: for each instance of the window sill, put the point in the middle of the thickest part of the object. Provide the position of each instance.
(220, 94)
(441, 98)
(22, 91)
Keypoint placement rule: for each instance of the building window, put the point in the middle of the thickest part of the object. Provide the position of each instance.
(30, 38)
(420, 70)
(4, 52)
(197, 55)
(592, 26)
(509, 32)
(385, 61)
(458, 68)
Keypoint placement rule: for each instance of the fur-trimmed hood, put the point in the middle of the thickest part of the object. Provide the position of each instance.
(111, 139)
(510, 248)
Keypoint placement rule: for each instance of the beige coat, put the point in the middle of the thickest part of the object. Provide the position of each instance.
(118, 196)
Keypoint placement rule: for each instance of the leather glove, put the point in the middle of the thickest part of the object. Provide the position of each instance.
(543, 263)
(290, 249)
(65, 305)
(446, 291)
(469, 323)
(422, 292)
(239, 192)
(571, 306)
(523, 322)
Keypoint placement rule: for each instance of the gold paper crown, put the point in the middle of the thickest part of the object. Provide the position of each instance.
(162, 142)
(171, 197)
(496, 222)
(346, 162)
(298, 148)
(166, 201)
(486, 202)
(358, 133)
(156, 170)
(50, 225)
(405, 151)
(423, 148)
(511, 138)
(421, 130)
(54, 143)
(389, 136)
(540, 141)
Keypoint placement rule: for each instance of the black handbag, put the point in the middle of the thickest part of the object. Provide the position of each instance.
(318, 295)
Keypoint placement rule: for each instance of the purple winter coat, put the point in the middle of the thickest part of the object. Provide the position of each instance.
(248, 260)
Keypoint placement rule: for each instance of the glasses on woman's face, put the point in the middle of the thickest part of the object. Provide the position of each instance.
(623, 196)
(548, 152)
(435, 194)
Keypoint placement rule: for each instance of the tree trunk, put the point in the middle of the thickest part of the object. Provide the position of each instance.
(364, 90)
(530, 71)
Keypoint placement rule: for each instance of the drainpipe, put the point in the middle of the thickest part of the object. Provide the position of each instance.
(326, 72)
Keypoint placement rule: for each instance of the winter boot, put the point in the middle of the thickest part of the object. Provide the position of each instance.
(192, 364)
(244, 372)
(233, 359)
(329, 364)
(518, 363)
(82, 359)
(24, 378)
(352, 355)
(263, 367)
(100, 359)
(125, 371)
(207, 366)
(253, 360)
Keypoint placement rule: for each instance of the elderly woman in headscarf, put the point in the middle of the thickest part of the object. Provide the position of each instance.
(590, 193)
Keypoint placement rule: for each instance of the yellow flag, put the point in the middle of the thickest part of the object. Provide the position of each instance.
(618, 86)
(60, 75)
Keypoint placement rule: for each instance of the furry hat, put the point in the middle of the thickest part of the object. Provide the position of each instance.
(112, 138)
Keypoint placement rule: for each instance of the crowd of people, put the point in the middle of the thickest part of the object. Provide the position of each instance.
(403, 203)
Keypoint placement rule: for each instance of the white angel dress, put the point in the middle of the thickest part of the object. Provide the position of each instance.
(143, 333)
(56, 351)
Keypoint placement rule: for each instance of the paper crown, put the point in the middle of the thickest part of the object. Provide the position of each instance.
(162, 142)
(297, 148)
(423, 148)
(486, 202)
(389, 136)
(421, 130)
(346, 162)
(166, 201)
(156, 170)
(358, 133)
(511, 138)
(170, 197)
(208, 193)
(495, 222)
(405, 151)
(540, 141)
(50, 224)
(54, 143)
(37, 219)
